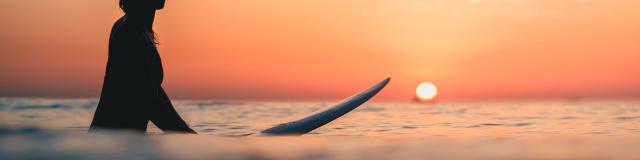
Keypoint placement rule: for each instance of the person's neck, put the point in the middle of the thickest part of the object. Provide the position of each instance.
(142, 19)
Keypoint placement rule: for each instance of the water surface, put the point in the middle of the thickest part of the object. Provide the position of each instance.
(541, 129)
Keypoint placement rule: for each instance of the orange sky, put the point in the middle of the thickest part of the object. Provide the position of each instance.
(329, 49)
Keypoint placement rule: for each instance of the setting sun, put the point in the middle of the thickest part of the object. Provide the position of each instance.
(426, 91)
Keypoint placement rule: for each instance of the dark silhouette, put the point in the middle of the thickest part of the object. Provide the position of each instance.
(132, 94)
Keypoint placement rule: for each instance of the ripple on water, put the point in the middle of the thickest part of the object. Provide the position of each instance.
(239, 127)
(215, 103)
(598, 132)
(520, 124)
(499, 125)
(221, 125)
(208, 130)
(199, 125)
(42, 106)
(533, 132)
(409, 127)
(371, 109)
(567, 118)
(625, 118)
(486, 114)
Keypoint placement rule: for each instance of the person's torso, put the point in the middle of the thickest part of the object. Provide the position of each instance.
(135, 48)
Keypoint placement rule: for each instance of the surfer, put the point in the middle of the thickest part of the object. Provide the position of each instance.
(131, 93)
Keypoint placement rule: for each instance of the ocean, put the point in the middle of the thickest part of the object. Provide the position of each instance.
(45, 128)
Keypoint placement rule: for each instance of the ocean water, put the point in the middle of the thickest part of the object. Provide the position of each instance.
(37, 128)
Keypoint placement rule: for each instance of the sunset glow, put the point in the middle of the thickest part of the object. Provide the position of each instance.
(295, 49)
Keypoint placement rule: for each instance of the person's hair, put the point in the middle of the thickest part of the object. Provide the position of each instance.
(129, 5)
(124, 5)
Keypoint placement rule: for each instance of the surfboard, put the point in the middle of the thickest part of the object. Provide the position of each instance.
(323, 116)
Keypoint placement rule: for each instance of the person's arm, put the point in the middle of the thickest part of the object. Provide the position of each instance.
(165, 117)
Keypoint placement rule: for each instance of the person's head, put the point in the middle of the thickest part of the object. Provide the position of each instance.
(140, 6)
(142, 12)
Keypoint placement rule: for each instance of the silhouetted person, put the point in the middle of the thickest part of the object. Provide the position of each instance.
(132, 94)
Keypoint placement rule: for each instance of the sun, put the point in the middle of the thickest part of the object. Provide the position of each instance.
(426, 91)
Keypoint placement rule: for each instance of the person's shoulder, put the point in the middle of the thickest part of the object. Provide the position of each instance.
(119, 24)
(121, 28)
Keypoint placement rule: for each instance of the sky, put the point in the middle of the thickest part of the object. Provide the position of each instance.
(330, 49)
